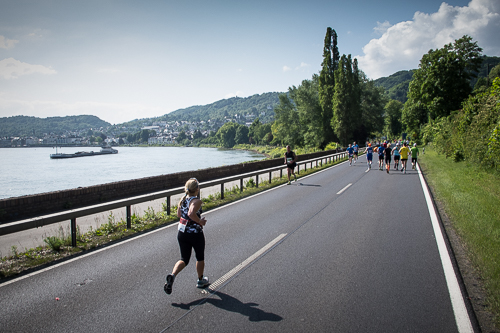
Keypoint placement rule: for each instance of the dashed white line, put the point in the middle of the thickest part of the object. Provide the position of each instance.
(213, 286)
(345, 188)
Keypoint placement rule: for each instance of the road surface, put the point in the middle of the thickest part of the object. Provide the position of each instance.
(343, 250)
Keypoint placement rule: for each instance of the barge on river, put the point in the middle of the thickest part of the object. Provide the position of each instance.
(104, 151)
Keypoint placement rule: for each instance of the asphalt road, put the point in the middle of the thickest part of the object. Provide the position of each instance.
(343, 250)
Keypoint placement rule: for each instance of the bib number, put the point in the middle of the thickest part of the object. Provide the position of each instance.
(289, 159)
(182, 225)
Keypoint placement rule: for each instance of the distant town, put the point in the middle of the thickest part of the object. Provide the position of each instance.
(151, 133)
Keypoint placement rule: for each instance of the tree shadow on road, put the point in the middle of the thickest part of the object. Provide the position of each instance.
(232, 304)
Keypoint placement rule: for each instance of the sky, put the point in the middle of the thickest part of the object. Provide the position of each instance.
(126, 60)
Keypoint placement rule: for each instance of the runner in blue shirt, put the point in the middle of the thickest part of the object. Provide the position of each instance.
(381, 156)
(369, 156)
(350, 152)
(397, 156)
(356, 148)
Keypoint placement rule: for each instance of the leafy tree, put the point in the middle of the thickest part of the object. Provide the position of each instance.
(286, 127)
(344, 111)
(226, 134)
(197, 135)
(306, 98)
(326, 88)
(393, 111)
(441, 82)
(262, 134)
(182, 136)
(144, 136)
(373, 100)
(253, 130)
(241, 136)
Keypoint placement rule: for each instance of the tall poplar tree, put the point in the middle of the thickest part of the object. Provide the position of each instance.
(326, 87)
(341, 122)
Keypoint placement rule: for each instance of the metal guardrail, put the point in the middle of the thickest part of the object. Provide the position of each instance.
(73, 214)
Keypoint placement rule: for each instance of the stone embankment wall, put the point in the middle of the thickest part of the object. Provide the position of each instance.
(13, 209)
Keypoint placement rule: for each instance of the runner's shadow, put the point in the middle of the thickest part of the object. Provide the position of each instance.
(232, 304)
(302, 184)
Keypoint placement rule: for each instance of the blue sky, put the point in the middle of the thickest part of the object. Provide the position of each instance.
(125, 60)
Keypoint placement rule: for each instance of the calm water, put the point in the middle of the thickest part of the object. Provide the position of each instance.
(25, 171)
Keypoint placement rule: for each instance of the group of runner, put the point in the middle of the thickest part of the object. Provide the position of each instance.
(401, 151)
(352, 151)
(190, 228)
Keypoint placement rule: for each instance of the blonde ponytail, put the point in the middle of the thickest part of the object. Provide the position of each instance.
(190, 187)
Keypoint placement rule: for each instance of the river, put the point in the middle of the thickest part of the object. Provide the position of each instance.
(26, 171)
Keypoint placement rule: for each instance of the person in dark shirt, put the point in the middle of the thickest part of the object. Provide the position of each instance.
(190, 235)
(388, 154)
(291, 163)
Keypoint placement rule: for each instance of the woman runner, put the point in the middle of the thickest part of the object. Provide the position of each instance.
(190, 235)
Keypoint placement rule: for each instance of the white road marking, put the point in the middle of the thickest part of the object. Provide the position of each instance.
(461, 316)
(213, 286)
(345, 188)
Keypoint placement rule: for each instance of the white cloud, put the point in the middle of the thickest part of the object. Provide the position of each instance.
(402, 45)
(286, 69)
(236, 94)
(7, 43)
(302, 65)
(381, 28)
(11, 69)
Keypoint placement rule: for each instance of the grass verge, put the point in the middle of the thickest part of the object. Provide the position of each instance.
(470, 197)
(59, 247)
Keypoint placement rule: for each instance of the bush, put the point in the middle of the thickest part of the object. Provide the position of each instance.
(55, 243)
(332, 146)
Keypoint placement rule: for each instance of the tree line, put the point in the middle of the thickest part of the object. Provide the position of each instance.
(340, 104)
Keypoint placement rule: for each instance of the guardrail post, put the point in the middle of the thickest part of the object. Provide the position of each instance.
(222, 191)
(168, 205)
(257, 180)
(241, 184)
(270, 177)
(129, 218)
(281, 173)
(73, 232)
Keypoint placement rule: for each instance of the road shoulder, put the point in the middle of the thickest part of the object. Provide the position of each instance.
(476, 294)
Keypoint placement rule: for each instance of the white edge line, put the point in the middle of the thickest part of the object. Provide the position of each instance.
(459, 309)
(345, 188)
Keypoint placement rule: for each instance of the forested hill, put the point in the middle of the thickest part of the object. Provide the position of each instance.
(258, 105)
(23, 126)
(397, 84)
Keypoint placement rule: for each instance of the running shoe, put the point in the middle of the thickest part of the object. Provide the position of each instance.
(203, 283)
(295, 178)
(168, 285)
(288, 183)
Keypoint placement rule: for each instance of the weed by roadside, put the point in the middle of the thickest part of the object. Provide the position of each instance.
(470, 197)
(59, 247)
